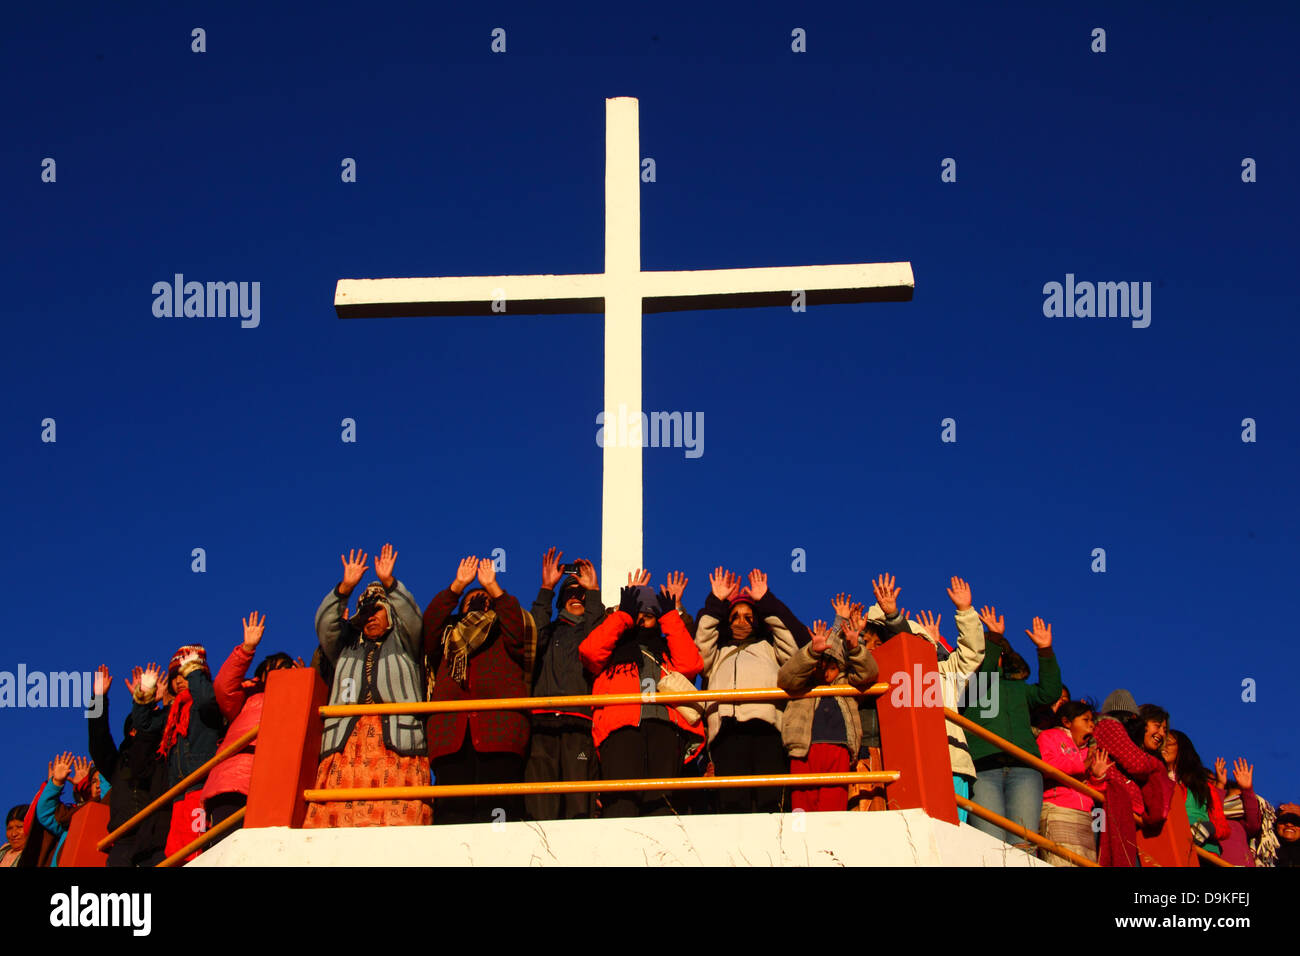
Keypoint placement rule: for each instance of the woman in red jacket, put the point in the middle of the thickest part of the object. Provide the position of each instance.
(628, 653)
(240, 701)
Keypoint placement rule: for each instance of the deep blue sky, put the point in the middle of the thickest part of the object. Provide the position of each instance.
(822, 429)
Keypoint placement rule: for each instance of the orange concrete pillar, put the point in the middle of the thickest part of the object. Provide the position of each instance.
(913, 734)
(287, 751)
(1169, 843)
(89, 825)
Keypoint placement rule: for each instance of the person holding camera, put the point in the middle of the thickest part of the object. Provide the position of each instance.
(630, 652)
(376, 658)
(561, 747)
(486, 650)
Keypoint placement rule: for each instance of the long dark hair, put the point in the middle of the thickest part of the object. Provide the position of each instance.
(1188, 769)
(1137, 724)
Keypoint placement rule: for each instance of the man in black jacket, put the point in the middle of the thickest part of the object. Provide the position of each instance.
(561, 747)
(137, 776)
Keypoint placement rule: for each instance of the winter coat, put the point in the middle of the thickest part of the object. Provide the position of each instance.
(955, 673)
(398, 675)
(799, 674)
(1236, 845)
(1057, 747)
(138, 777)
(1015, 699)
(243, 710)
(1136, 783)
(559, 668)
(754, 663)
(624, 678)
(199, 745)
(495, 670)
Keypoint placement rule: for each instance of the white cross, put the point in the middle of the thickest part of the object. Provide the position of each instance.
(623, 292)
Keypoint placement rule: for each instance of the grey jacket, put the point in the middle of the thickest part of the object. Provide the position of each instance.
(397, 676)
(799, 674)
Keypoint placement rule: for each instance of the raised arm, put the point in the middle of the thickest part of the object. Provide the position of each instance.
(970, 633)
(798, 673)
(102, 749)
(333, 609)
(1048, 689)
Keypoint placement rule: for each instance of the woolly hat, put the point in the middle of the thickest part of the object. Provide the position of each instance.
(647, 600)
(743, 596)
(174, 667)
(1119, 700)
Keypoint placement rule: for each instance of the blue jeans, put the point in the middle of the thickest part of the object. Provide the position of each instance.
(1013, 792)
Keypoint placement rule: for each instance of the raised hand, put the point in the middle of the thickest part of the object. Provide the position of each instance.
(1100, 763)
(852, 631)
(1041, 635)
(103, 680)
(1221, 773)
(820, 637)
(551, 568)
(757, 584)
(587, 575)
(1244, 772)
(960, 594)
(842, 604)
(995, 622)
(724, 583)
(354, 566)
(675, 586)
(384, 565)
(60, 767)
(465, 573)
(253, 629)
(143, 683)
(80, 770)
(930, 624)
(638, 578)
(487, 573)
(886, 594)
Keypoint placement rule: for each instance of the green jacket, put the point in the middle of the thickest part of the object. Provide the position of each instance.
(1015, 699)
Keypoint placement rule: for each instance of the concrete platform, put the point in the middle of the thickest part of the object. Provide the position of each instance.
(894, 838)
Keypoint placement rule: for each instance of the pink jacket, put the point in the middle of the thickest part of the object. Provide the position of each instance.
(1058, 748)
(244, 712)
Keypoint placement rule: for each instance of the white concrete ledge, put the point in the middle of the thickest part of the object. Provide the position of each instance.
(895, 838)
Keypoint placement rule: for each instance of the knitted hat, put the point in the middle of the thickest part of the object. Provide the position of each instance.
(742, 597)
(1119, 700)
(174, 667)
(647, 600)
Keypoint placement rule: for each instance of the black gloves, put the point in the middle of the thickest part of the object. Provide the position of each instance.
(627, 601)
(666, 603)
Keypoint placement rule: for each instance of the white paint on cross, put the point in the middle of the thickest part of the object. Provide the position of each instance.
(623, 292)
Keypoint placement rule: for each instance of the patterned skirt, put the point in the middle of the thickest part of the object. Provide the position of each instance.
(1072, 829)
(364, 761)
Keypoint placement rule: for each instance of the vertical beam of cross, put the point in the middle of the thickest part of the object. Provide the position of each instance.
(621, 490)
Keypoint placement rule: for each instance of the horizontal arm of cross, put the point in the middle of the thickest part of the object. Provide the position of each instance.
(659, 291)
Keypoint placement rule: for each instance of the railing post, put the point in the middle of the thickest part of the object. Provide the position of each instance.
(287, 751)
(89, 825)
(913, 736)
(1170, 843)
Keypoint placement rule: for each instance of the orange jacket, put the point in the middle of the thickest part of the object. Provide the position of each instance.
(595, 651)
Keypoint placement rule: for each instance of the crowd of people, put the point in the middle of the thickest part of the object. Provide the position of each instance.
(474, 640)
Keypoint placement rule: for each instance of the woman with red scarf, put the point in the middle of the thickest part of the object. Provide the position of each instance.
(191, 725)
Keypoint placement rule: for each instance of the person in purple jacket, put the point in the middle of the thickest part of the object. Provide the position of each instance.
(1241, 807)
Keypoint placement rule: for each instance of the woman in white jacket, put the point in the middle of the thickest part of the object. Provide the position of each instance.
(744, 636)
